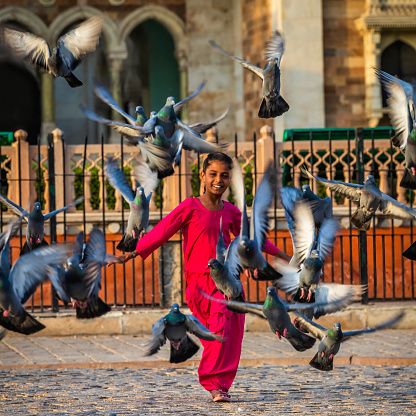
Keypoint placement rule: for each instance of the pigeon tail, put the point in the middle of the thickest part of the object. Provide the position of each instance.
(24, 324)
(410, 253)
(360, 220)
(187, 349)
(94, 308)
(408, 181)
(26, 249)
(127, 244)
(270, 108)
(322, 363)
(165, 173)
(73, 81)
(299, 340)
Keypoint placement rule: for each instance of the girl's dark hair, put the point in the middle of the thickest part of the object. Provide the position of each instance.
(220, 157)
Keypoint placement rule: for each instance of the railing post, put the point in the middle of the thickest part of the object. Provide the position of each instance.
(362, 236)
(52, 207)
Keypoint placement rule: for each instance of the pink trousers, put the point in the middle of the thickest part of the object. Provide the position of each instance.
(219, 362)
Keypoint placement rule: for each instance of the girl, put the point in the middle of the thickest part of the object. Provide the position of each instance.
(199, 220)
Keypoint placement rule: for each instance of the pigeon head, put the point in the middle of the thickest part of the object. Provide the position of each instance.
(214, 265)
(72, 263)
(335, 332)
(139, 195)
(315, 254)
(247, 247)
(139, 110)
(153, 114)
(37, 206)
(170, 101)
(306, 188)
(369, 179)
(174, 308)
(272, 300)
(271, 290)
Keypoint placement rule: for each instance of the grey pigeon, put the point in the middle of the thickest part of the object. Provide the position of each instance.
(331, 339)
(81, 282)
(160, 153)
(369, 197)
(139, 204)
(402, 113)
(35, 222)
(253, 234)
(175, 326)
(276, 312)
(273, 104)
(300, 279)
(65, 57)
(141, 119)
(225, 270)
(21, 281)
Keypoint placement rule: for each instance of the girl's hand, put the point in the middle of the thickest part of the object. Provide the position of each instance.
(122, 258)
(282, 255)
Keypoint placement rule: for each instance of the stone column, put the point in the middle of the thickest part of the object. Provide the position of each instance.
(180, 56)
(48, 105)
(170, 277)
(22, 197)
(116, 63)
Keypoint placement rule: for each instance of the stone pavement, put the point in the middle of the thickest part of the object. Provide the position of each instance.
(388, 347)
(101, 375)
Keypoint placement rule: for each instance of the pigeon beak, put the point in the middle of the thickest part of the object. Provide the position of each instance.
(208, 267)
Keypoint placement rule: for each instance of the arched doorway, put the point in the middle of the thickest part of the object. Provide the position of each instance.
(399, 59)
(68, 116)
(19, 100)
(151, 71)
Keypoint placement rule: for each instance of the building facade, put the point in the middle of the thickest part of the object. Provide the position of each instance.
(150, 50)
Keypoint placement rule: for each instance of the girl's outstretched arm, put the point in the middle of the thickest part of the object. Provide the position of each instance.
(161, 233)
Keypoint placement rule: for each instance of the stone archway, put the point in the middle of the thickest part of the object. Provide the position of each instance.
(26, 18)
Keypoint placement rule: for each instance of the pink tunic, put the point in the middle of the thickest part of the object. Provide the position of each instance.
(200, 229)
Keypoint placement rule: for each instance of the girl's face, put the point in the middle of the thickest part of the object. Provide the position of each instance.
(217, 177)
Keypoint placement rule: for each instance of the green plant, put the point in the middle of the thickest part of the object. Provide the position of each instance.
(248, 184)
(159, 195)
(195, 180)
(40, 184)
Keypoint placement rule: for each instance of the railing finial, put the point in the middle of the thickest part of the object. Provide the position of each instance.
(20, 135)
(57, 135)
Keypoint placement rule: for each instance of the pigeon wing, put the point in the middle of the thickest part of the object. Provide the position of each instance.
(275, 47)
(78, 42)
(238, 307)
(256, 70)
(95, 249)
(14, 207)
(192, 141)
(32, 48)
(78, 246)
(30, 270)
(195, 327)
(178, 106)
(313, 328)
(157, 158)
(56, 275)
(145, 177)
(220, 248)
(53, 213)
(201, 128)
(232, 258)
(158, 337)
(326, 238)
(118, 180)
(396, 209)
(263, 199)
(321, 209)
(289, 282)
(350, 190)
(387, 79)
(384, 325)
(237, 182)
(105, 96)
(304, 231)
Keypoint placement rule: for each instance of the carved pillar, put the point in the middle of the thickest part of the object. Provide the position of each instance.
(170, 278)
(180, 56)
(48, 104)
(19, 191)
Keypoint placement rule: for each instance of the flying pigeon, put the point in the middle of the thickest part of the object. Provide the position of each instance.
(139, 204)
(402, 113)
(141, 118)
(20, 282)
(36, 221)
(225, 270)
(331, 339)
(276, 312)
(273, 104)
(300, 279)
(81, 282)
(174, 326)
(65, 57)
(253, 234)
(369, 197)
